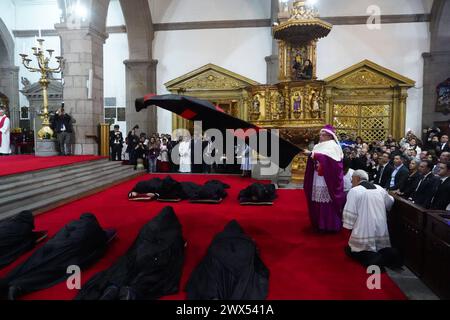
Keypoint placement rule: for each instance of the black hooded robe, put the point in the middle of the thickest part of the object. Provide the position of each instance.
(16, 237)
(258, 193)
(166, 188)
(81, 243)
(151, 268)
(231, 269)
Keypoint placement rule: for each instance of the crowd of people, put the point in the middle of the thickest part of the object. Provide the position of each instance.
(414, 169)
(155, 153)
(350, 184)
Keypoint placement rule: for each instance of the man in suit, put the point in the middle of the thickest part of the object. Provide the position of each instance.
(441, 197)
(443, 158)
(425, 189)
(62, 125)
(399, 175)
(384, 171)
(443, 146)
(116, 143)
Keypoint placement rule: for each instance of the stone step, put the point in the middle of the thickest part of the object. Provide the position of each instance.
(8, 189)
(44, 172)
(58, 186)
(55, 199)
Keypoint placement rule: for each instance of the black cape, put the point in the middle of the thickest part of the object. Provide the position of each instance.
(150, 269)
(16, 237)
(211, 190)
(258, 192)
(231, 269)
(81, 243)
(213, 117)
(167, 188)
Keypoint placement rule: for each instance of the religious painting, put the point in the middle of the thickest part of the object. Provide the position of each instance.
(301, 64)
(443, 97)
(24, 113)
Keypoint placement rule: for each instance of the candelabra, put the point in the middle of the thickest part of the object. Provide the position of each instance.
(43, 68)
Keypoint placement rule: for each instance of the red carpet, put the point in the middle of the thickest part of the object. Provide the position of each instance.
(19, 164)
(303, 265)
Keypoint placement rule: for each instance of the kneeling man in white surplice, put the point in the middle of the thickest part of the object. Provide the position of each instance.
(365, 214)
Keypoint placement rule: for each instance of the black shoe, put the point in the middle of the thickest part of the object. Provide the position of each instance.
(110, 293)
(14, 292)
(391, 258)
(127, 293)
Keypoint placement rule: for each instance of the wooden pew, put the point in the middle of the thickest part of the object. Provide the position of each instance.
(423, 238)
(407, 223)
(436, 272)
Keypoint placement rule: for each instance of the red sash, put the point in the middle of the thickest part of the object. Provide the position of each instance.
(2, 122)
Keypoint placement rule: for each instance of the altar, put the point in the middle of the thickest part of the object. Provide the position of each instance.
(365, 99)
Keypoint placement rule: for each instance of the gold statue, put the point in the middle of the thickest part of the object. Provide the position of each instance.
(301, 11)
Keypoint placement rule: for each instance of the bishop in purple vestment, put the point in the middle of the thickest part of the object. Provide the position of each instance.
(324, 182)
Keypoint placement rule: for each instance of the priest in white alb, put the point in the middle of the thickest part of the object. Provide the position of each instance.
(365, 214)
(5, 131)
(185, 155)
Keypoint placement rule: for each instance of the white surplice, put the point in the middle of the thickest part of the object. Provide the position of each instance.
(365, 214)
(185, 156)
(5, 131)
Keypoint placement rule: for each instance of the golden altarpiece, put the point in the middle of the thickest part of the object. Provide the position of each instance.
(213, 83)
(365, 100)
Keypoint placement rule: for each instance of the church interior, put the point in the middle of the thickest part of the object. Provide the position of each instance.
(224, 150)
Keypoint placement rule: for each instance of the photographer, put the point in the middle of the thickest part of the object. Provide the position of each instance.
(132, 141)
(141, 152)
(116, 143)
(62, 126)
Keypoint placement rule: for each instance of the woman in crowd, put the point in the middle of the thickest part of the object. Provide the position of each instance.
(413, 179)
(153, 154)
(163, 159)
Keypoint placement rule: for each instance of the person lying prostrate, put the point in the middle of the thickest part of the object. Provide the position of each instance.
(17, 237)
(80, 243)
(231, 270)
(258, 193)
(150, 269)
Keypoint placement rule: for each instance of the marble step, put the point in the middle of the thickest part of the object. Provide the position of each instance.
(8, 189)
(45, 172)
(56, 186)
(46, 201)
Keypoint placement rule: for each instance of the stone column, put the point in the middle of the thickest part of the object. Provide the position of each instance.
(436, 62)
(272, 60)
(140, 80)
(82, 49)
(436, 70)
(9, 86)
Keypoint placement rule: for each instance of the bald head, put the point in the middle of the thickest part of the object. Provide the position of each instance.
(358, 177)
